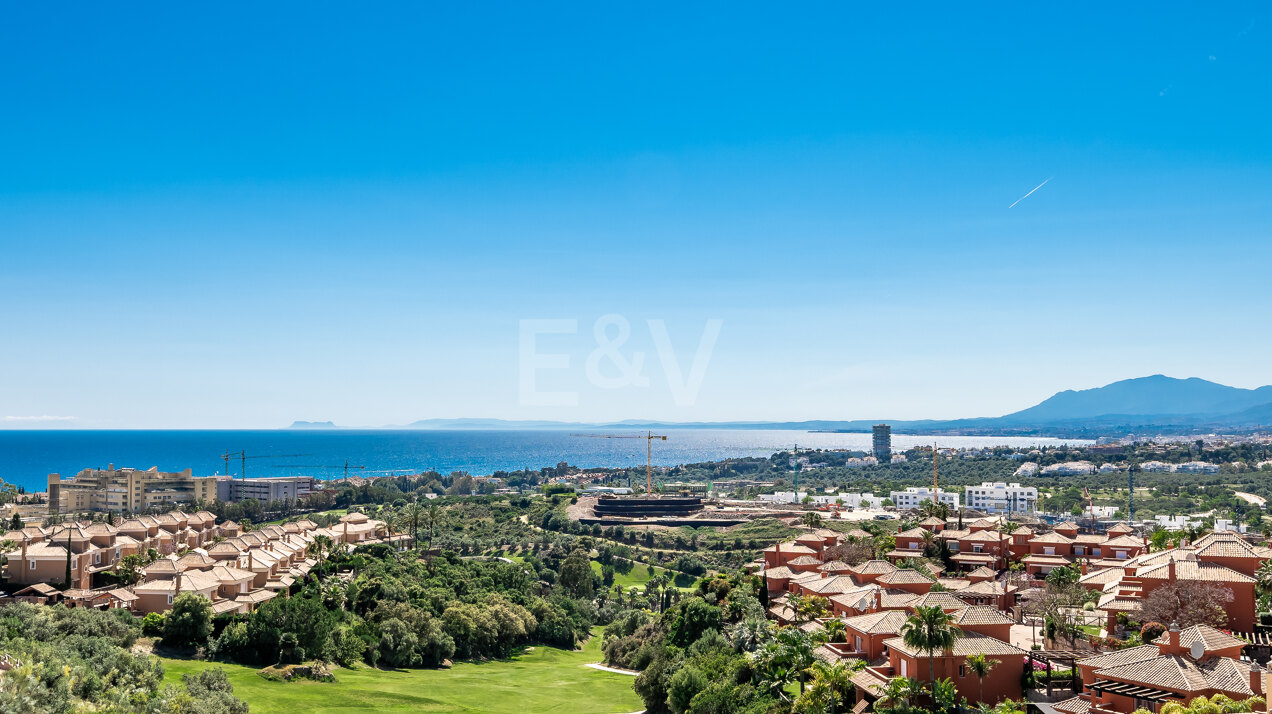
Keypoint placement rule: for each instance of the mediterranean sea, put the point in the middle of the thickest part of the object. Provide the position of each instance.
(27, 457)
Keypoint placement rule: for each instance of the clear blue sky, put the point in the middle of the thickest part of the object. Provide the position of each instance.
(314, 211)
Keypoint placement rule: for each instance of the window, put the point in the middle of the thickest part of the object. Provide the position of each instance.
(904, 673)
(169, 599)
(962, 670)
(978, 548)
(1095, 551)
(32, 565)
(858, 638)
(1078, 550)
(1049, 551)
(1120, 553)
(914, 545)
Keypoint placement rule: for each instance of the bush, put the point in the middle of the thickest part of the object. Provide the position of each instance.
(152, 624)
(1151, 631)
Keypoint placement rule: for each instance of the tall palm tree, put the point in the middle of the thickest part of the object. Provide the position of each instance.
(980, 665)
(929, 629)
(432, 518)
(411, 516)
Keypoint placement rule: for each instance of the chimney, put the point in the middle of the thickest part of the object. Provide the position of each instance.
(1256, 678)
(346, 532)
(1170, 570)
(1084, 567)
(878, 599)
(178, 582)
(251, 559)
(824, 573)
(1173, 636)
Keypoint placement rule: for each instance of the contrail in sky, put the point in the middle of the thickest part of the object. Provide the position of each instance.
(1027, 195)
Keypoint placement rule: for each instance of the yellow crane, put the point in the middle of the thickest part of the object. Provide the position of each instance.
(649, 437)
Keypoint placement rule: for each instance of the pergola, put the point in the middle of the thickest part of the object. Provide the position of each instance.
(1137, 691)
(1067, 658)
(1260, 647)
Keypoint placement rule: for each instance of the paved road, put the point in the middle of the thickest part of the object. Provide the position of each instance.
(1022, 636)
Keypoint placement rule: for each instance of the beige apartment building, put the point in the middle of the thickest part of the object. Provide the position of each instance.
(128, 490)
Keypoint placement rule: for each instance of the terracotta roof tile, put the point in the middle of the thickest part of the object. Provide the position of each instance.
(1208, 636)
(1182, 674)
(980, 615)
(904, 576)
(884, 622)
(971, 643)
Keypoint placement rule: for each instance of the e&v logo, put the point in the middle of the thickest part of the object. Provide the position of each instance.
(608, 366)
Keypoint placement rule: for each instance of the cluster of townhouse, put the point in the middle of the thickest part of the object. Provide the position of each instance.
(234, 569)
(1226, 559)
(1178, 667)
(873, 599)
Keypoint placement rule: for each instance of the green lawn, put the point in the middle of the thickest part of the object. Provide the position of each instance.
(543, 679)
(639, 575)
(333, 512)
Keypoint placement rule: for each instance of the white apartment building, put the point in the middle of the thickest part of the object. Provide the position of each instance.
(850, 500)
(1029, 468)
(1177, 523)
(999, 497)
(1196, 467)
(912, 496)
(1069, 468)
(782, 497)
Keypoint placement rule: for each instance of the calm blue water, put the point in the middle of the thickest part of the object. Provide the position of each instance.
(27, 457)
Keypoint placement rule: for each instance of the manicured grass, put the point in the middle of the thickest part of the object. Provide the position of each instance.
(542, 679)
(639, 575)
(333, 512)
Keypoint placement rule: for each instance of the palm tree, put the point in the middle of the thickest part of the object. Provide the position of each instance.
(900, 690)
(1263, 577)
(836, 631)
(980, 665)
(411, 515)
(811, 519)
(929, 629)
(432, 517)
(799, 606)
(929, 542)
(831, 684)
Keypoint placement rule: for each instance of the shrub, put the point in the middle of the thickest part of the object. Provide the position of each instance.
(152, 624)
(1151, 631)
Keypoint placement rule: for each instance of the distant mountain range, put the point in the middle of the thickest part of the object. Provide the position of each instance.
(1145, 405)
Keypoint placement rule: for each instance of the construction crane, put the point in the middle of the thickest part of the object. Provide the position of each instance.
(346, 467)
(243, 457)
(649, 452)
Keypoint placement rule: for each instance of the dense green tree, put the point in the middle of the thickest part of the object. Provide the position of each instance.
(189, 622)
